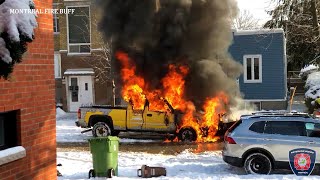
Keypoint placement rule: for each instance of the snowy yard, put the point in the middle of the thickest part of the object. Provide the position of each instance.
(184, 165)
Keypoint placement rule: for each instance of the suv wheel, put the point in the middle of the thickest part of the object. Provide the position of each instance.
(101, 129)
(257, 163)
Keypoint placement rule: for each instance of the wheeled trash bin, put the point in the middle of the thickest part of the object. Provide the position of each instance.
(104, 152)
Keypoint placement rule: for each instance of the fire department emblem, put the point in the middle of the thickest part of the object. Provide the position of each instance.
(302, 161)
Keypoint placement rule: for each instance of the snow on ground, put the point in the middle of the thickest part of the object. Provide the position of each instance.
(186, 165)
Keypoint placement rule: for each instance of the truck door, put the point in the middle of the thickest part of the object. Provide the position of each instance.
(157, 121)
(134, 119)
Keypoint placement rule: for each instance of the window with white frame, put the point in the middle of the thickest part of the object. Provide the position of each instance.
(252, 68)
(57, 65)
(56, 27)
(79, 36)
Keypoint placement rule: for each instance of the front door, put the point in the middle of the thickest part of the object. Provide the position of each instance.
(80, 92)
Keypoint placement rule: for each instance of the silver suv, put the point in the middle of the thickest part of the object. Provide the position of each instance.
(261, 142)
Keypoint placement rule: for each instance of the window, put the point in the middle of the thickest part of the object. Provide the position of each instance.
(252, 68)
(79, 30)
(74, 89)
(313, 129)
(257, 127)
(234, 126)
(57, 65)
(290, 128)
(1, 132)
(56, 27)
(86, 86)
(8, 130)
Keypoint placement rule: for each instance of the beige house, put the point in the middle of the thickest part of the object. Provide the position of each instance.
(82, 63)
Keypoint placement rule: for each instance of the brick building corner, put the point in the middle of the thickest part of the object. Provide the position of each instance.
(29, 97)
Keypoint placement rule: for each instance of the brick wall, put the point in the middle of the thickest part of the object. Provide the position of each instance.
(31, 90)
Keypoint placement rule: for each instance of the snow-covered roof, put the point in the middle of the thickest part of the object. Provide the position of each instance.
(83, 71)
(257, 31)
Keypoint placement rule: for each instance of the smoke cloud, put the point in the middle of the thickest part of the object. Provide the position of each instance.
(156, 33)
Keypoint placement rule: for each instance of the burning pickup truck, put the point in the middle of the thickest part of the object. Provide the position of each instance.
(108, 120)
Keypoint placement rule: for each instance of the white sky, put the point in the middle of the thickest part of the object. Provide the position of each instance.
(257, 8)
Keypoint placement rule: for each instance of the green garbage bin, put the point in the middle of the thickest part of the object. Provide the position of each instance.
(104, 152)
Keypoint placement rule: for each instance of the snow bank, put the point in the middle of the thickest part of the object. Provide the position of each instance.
(15, 24)
(60, 112)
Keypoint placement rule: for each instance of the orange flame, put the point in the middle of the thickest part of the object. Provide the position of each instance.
(135, 90)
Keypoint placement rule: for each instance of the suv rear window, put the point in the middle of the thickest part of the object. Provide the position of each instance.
(290, 128)
(234, 126)
(257, 127)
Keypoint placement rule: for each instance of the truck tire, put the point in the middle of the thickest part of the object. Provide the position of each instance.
(187, 135)
(101, 129)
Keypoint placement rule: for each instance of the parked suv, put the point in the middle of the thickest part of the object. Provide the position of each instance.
(261, 142)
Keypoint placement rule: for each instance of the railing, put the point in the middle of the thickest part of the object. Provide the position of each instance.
(293, 74)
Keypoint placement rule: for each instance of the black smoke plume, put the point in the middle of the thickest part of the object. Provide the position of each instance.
(156, 33)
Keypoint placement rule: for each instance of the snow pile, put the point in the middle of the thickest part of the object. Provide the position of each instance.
(60, 112)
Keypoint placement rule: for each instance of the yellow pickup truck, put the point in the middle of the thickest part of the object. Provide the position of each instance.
(109, 120)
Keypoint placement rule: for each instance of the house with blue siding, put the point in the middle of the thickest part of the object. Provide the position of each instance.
(263, 56)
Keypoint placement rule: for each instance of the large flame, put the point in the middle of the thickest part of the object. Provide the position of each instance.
(135, 90)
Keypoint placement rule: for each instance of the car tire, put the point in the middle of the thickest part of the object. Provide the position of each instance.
(257, 163)
(101, 129)
(187, 135)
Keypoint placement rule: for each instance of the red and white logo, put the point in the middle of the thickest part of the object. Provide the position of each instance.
(302, 161)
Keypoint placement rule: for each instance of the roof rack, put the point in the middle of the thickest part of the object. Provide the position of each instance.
(280, 113)
(304, 115)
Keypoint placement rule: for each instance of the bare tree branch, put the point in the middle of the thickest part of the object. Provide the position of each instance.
(245, 21)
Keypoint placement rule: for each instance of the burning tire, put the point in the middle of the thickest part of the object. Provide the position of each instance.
(187, 135)
(101, 129)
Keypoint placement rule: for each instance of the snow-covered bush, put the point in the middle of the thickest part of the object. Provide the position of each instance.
(312, 80)
(16, 30)
(312, 88)
(308, 69)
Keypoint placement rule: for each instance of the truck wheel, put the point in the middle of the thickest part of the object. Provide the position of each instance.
(187, 135)
(101, 129)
